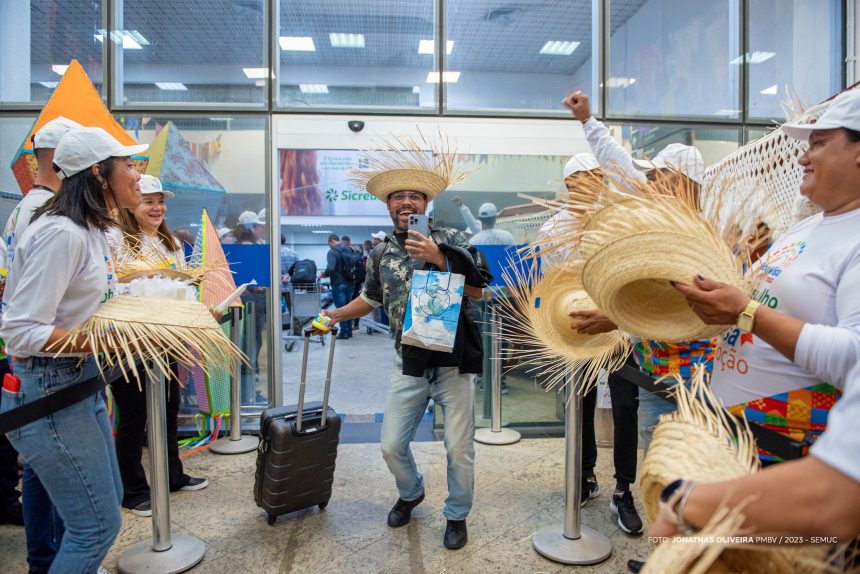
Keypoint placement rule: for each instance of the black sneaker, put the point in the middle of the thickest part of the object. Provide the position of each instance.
(402, 511)
(589, 489)
(143, 509)
(628, 518)
(455, 535)
(195, 484)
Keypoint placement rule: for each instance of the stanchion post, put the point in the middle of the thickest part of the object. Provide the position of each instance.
(571, 542)
(165, 553)
(495, 434)
(235, 443)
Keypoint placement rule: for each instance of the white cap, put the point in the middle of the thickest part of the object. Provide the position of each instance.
(580, 162)
(50, 134)
(380, 235)
(685, 158)
(249, 218)
(487, 210)
(843, 112)
(262, 216)
(151, 184)
(82, 148)
(222, 231)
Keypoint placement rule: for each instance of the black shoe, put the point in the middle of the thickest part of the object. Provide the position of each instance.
(195, 484)
(143, 509)
(455, 535)
(402, 511)
(635, 566)
(590, 489)
(628, 518)
(342, 335)
(14, 515)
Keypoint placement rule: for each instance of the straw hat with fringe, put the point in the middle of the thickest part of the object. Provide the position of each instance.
(535, 320)
(636, 238)
(704, 443)
(407, 164)
(159, 330)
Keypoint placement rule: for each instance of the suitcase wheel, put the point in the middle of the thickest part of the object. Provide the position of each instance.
(271, 519)
(322, 505)
(289, 346)
(369, 330)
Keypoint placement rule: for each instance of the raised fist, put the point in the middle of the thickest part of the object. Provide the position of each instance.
(577, 102)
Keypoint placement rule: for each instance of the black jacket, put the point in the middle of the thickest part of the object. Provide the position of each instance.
(468, 352)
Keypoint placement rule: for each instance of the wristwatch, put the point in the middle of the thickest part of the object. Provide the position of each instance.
(746, 319)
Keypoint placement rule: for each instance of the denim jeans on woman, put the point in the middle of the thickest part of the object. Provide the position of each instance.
(454, 393)
(72, 453)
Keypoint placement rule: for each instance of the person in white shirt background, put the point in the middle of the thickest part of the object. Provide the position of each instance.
(145, 228)
(42, 523)
(803, 320)
(61, 272)
(483, 229)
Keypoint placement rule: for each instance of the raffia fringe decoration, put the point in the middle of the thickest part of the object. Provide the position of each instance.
(126, 329)
(534, 320)
(400, 163)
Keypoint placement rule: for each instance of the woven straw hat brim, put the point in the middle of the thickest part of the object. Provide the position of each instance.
(427, 182)
(157, 311)
(681, 449)
(602, 227)
(558, 293)
(169, 273)
(629, 278)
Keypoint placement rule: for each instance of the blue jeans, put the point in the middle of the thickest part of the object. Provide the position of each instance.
(407, 401)
(342, 294)
(42, 523)
(72, 453)
(651, 407)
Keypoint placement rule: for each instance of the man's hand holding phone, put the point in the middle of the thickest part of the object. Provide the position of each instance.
(424, 249)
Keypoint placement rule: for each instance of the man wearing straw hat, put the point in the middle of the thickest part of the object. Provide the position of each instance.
(624, 394)
(406, 182)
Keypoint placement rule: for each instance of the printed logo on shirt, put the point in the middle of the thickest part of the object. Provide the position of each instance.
(778, 261)
(10, 237)
(110, 280)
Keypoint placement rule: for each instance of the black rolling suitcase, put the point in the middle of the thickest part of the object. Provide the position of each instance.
(298, 448)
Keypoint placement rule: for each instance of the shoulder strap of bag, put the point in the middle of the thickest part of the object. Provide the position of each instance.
(50, 404)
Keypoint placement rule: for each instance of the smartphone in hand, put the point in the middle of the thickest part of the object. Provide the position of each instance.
(420, 223)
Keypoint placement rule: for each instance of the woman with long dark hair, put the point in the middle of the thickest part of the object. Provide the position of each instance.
(62, 271)
(144, 229)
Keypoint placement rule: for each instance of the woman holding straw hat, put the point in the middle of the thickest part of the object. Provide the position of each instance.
(61, 273)
(144, 229)
(799, 334)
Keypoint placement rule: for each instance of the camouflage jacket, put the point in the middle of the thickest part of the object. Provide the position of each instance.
(389, 274)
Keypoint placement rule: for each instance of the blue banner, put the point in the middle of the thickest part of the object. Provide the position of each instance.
(504, 258)
(249, 262)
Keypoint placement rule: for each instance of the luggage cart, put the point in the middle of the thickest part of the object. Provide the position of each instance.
(370, 323)
(305, 305)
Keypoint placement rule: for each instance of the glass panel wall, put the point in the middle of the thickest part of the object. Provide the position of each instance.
(191, 53)
(13, 130)
(364, 53)
(218, 164)
(674, 58)
(518, 57)
(38, 39)
(795, 49)
(646, 140)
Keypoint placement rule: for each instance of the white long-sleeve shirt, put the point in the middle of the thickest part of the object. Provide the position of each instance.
(60, 274)
(813, 274)
(471, 223)
(610, 154)
(19, 219)
(839, 446)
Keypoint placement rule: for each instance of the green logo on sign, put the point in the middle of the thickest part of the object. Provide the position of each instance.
(331, 194)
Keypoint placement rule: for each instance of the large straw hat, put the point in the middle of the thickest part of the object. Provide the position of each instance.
(408, 164)
(127, 329)
(629, 280)
(536, 316)
(704, 443)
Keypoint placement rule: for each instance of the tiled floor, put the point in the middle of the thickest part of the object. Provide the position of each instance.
(518, 491)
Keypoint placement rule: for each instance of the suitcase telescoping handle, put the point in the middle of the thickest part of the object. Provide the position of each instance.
(302, 382)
